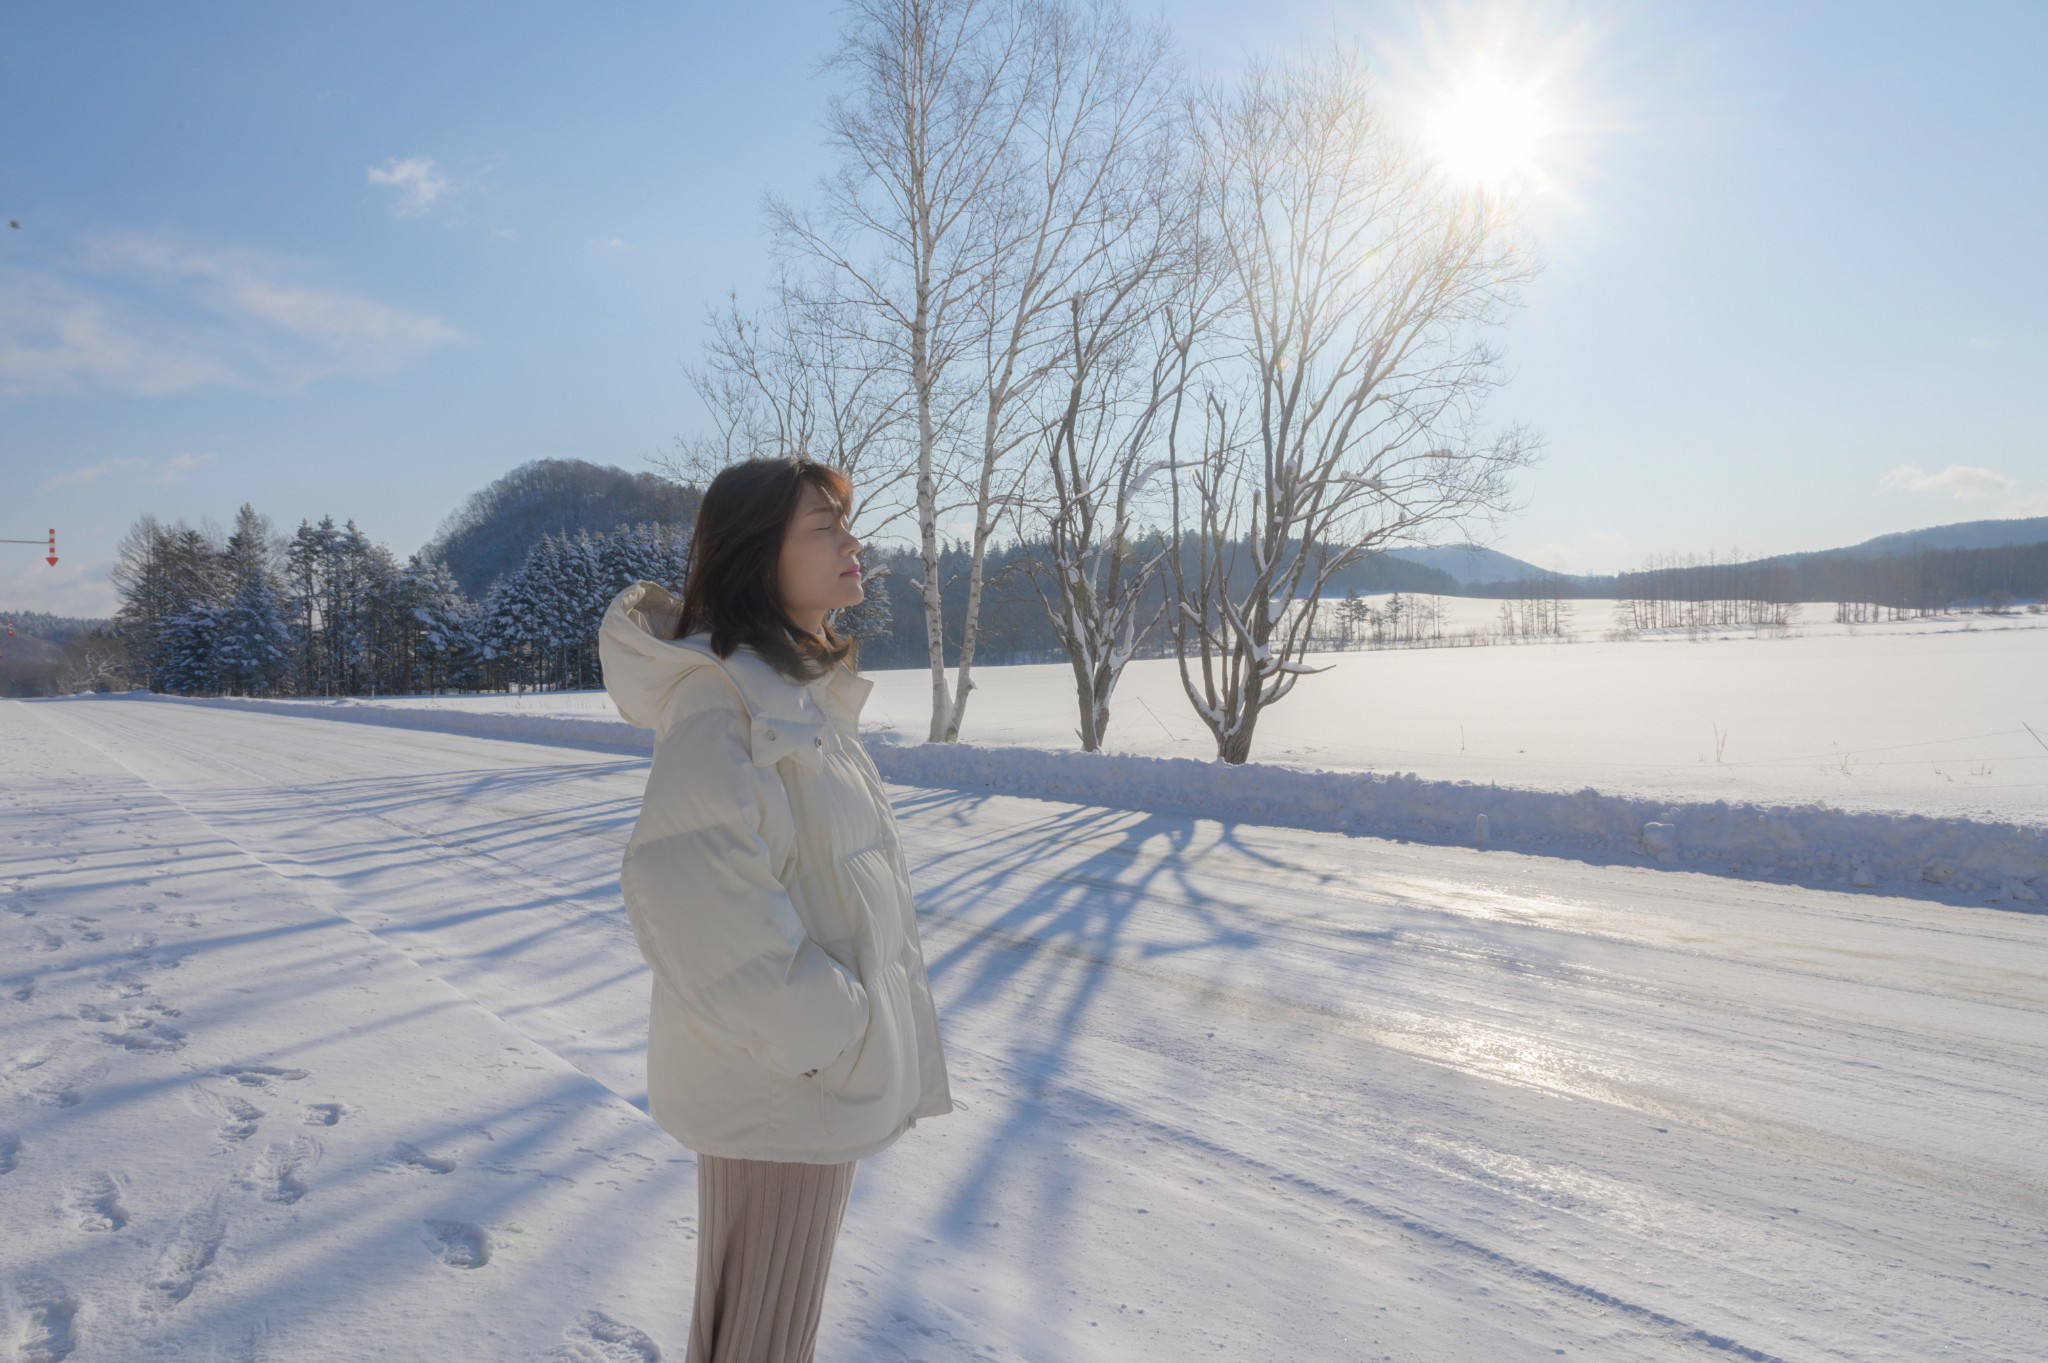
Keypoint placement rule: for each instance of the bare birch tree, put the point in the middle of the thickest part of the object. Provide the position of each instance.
(1074, 231)
(1124, 364)
(1360, 280)
(902, 232)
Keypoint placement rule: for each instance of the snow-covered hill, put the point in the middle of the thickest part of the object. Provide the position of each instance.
(1469, 563)
(1961, 535)
(1472, 563)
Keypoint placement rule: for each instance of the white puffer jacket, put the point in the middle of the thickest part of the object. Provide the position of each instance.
(791, 1017)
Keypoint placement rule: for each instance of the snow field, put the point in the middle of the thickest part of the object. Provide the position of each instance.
(1225, 1089)
(1897, 757)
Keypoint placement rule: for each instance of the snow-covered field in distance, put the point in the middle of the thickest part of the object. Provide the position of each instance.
(322, 1041)
(1916, 716)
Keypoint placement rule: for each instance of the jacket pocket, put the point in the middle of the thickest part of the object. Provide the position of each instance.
(835, 1074)
(886, 1067)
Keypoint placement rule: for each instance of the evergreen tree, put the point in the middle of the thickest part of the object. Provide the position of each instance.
(668, 557)
(309, 558)
(514, 635)
(583, 598)
(188, 662)
(254, 653)
(442, 622)
(250, 549)
(352, 582)
(163, 572)
(871, 619)
(550, 582)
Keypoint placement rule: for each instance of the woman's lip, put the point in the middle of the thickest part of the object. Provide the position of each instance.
(851, 572)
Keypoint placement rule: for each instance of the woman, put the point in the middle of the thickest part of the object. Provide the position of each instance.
(791, 1029)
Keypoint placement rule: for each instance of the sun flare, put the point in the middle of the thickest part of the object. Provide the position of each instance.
(1488, 130)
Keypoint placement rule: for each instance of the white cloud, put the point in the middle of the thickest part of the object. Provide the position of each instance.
(505, 233)
(132, 469)
(417, 179)
(61, 340)
(615, 244)
(1596, 551)
(147, 315)
(1965, 482)
(73, 587)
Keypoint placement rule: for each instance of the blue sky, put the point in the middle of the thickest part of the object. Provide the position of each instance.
(360, 260)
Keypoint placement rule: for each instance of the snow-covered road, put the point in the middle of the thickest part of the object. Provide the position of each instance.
(1225, 1090)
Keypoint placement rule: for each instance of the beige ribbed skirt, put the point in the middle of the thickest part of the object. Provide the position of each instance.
(765, 1232)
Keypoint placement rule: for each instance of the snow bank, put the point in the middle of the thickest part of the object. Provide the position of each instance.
(2007, 861)
(2004, 861)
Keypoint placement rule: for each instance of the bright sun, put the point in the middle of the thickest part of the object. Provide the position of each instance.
(1487, 130)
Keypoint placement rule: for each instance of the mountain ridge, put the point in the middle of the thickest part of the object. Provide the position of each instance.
(1472, 564)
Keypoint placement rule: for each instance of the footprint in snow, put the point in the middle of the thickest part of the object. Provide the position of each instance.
(123, 985)
(42, 939)
(10, 1151)
(47, 1326)
(405, 1157)
(147, 1036)
(141, 1029)
(186, 1256)
(278, 1174)
(325, 1114)
(95, 1204)
(597, 1338)
(459, 1244)
(67, 1090)
(34, 1058)
(239, 1118)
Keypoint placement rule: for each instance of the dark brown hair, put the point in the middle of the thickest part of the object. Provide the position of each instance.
(733, 588)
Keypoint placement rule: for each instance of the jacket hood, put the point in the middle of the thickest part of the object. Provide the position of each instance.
(643, 661)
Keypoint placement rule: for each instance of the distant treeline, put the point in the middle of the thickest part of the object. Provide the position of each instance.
(1015, 626)
(328, 612)
(1919, 580)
